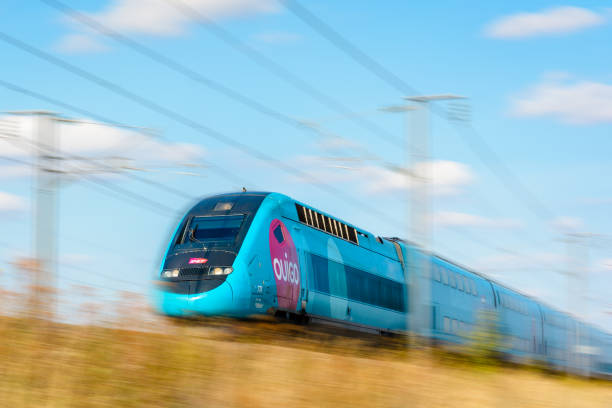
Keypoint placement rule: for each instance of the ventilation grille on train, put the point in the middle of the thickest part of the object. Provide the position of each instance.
(327, 224)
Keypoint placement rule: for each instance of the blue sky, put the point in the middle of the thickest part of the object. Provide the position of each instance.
(540, 93)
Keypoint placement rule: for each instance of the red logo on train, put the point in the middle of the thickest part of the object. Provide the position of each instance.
(285, 264)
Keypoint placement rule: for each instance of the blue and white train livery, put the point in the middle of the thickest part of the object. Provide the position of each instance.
(242, 254)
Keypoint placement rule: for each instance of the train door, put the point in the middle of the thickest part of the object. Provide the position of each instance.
(302, 252)
(338, 300)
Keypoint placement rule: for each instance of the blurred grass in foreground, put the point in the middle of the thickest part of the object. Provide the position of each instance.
(139, 360)
(234, 363)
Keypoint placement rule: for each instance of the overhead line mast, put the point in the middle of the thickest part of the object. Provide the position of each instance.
(474, 141)
(235, 43)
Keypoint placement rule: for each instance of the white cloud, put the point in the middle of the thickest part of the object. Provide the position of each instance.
(578, 102)
(447, 177)
(11, 203)
(79, 43)
(552, 21)
(458, 219)
(565, 223)
(103, 145)
(157, 17)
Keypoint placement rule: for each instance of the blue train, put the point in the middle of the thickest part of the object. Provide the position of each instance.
(249, 253)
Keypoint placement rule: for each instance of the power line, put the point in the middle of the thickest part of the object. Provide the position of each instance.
(14, 160)
(279, 71)
(140, 199)
(170, 63)
(475, 142)
(107, 121)
(184, 120)
(343, 44)
(181, 68)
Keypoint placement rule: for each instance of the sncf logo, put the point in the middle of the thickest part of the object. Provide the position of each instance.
(285, 265)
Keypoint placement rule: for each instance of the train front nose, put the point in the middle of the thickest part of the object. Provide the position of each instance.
(195, 290)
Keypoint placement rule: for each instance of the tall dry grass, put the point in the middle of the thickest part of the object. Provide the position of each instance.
(221, 363)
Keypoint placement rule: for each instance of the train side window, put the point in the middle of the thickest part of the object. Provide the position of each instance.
(326, 224)
(321, 221)
(460, 282)
(447, 327)
(444, 275)
(474, 292)
(278, 234)
(345, 233)
(353, 235)
(321, 276)
(451, 275)
(466, 284)
(436, 272)
(455, 328)
(309, 219)
(301, 211)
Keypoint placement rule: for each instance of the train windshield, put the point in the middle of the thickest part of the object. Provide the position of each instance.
(214, 230)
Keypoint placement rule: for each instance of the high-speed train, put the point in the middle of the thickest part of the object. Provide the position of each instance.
(249, 253)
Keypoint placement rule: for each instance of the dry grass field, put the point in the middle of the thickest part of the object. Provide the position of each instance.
(256, 364)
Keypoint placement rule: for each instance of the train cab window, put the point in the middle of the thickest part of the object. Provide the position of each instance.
(278, 234)
(215, 229)
(460, 282)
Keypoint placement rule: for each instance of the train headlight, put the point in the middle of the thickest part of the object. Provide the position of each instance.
(171, 273)
(227, 271)
(218, 271)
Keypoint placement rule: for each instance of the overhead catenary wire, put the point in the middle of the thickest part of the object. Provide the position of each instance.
(188, 122)
(279, 71)
(169, 62)
(472, 138)
(184, 70)
(138, 198)
(104, 120)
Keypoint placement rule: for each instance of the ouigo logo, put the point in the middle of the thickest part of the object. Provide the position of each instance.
(285, 264)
